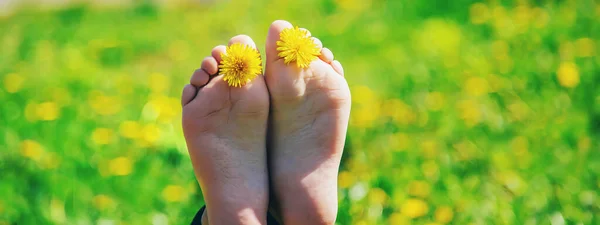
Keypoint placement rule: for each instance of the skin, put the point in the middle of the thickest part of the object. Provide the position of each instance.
(306, 114)
(225, 129)
(308, 122)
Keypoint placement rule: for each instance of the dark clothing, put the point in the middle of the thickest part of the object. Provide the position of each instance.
(198, 218)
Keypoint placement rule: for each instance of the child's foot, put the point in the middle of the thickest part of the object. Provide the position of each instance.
(225, 129)
(308, 121)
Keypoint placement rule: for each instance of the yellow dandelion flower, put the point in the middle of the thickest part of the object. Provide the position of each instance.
(419, 189)
(120, 166)
(102, 136)
(398, 219)
(31, 149)
(444, 214)
(241, 63)
(568, 75)
(47, 111)
(414, 208)
(173, 193)
(295, 45)
(346, 179)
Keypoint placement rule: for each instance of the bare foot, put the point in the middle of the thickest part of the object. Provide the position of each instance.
(225, 129)
(308, 121)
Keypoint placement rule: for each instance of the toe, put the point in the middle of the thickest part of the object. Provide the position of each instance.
(189, 92)
(217, 51)
(272, 38)
(326, 55)
(307, 31)
(199, 78)
(317, 42)
(243, 39)
(337, 66)
(209, 64)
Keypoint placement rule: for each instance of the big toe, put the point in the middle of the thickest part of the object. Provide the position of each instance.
(273, 36)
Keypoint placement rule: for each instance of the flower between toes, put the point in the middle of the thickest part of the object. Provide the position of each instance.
(295, 45)
(241, 63)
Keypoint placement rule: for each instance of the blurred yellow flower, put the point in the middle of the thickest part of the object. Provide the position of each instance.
(364, 117)
(399, 111)
(164, 108)
(429, 148)
(31, 149)
(13, 82)
(439, 38)
(398, 219)
(57, 211)
(414, 208)
(120, 166)
(469, 112)
(476, 86)
(102, 136)
(346, 179)
(296, 45)
(130, 129)
(444, 214)
(363, 95)
(47, 111)
(104, 105)
(361, 222)
(479, 13)
(522, 15)
(419, 188)
(585, 47)
(173, 193)
(158, 82)
(102, 202)
(377, 196)
(151, 133)
(435, 101)
(568, 75)
(502, 22)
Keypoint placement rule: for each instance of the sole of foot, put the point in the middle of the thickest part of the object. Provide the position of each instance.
(225, 129)
(309, 115)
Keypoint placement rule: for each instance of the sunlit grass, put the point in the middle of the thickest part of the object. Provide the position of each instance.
(463, 112)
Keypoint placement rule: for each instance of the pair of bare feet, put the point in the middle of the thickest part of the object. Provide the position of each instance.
(278, 139)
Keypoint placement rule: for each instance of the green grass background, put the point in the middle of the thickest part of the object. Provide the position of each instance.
(463, 112)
